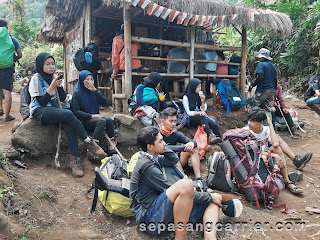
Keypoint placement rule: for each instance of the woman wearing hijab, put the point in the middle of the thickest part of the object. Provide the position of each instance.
(194, 103)
(85, 105)
(43, 88)
(147, 92)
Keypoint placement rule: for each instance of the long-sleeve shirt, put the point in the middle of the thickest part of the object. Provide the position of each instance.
(81, 113)
(185, 102)
(118, 55)
(139, 95)
(177, 137)
(152, 183)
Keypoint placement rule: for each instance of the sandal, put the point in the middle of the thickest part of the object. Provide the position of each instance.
(295, 189)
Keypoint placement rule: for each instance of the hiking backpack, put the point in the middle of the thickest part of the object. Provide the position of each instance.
(7, 49)
(80, 60)
(219, 173)
(255, 178)
(230, 95)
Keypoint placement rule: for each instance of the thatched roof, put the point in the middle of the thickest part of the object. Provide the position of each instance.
(61, 15)
(279, 24)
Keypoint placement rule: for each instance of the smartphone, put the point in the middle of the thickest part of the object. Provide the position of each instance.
(60, 77)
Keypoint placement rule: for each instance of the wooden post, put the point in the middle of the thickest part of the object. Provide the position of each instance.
(192, 42)
(87, 23)
(243, 61)
(127, 48)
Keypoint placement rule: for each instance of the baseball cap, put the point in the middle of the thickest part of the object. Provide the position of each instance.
(231, 207)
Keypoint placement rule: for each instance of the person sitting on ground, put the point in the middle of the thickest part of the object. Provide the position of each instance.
(22, 78)
(147, 93)
(44, 87)
(255, 124)
(279, 108)
(176, 66)
(173, 137)
(156, 200)
(312, 95)
(194, 103)
(85, 105)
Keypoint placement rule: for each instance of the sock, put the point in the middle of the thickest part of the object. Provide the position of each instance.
(87, 140)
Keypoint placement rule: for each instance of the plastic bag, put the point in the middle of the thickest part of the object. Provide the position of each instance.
(201, 138)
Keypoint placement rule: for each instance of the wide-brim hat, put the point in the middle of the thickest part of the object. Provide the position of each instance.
(263, 53)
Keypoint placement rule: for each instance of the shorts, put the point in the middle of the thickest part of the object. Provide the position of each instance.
(160, 214)
(6, 79)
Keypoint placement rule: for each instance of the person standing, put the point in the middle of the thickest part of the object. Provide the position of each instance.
(266, 82)
(6, 78)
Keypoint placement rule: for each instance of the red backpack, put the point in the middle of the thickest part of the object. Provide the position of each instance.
(256, 179)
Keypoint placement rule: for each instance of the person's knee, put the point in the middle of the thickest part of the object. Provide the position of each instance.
(186, 187)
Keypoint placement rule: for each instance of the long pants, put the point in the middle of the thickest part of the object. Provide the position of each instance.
(99, 126)
(287, 116)
(70, 125)
(209, 122)
(313, 100)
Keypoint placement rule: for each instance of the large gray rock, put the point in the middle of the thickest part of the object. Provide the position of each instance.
(128, 128)
(39, 139)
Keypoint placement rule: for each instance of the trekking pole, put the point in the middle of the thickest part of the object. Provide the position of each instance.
(115, 147)
(56, 161)
(278, 105)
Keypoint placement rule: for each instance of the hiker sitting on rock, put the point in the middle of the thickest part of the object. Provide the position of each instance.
(275, 144)
(194, 103)
(173, 137)
(44, 88)
(85, 105)
(157, 203)
(279, 109)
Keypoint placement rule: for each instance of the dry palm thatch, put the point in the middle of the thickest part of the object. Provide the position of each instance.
(278, 23)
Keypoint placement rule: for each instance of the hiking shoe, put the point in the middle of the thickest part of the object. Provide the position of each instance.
(1, 112)
(93, 147)
(94, 158)
(295, 176)
(75, 166)
(9, 118)
(213, 139)
(294, 131)
(300, 162)
(200, 185)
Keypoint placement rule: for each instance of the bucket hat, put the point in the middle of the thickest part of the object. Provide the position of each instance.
(263, 53)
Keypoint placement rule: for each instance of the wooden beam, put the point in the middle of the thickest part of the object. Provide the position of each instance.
(180, 44)
(127, 82)
(192, 43)
(161, 59)
(243, 61)
(220, 62)
(119, 96)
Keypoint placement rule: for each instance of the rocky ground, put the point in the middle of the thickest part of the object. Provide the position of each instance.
(44, 202)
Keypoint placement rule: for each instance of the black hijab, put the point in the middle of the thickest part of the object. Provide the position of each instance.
(193, 97)
(41, 58)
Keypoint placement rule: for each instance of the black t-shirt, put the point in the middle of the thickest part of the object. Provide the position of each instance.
(177, 137)
(311, 91)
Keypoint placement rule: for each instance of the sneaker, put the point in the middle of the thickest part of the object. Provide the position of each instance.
(75, 166)
(93, 147)
(200, 185)
(9, 118)
(213, 139)
(300, 162)
(294, 131)
(295, 176)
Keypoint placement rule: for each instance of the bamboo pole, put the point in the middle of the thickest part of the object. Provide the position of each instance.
(192, 43)
(127, 48)
(180, 44)
(243, 61)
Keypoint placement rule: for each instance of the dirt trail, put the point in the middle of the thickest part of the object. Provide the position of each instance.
(56, 206)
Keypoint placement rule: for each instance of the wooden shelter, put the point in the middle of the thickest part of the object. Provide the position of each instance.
(72, 23)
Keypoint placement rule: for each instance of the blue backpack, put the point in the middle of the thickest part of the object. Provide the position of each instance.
(230, 95)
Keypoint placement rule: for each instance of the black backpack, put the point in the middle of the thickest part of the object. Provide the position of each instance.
(79, 60)
(25, 99)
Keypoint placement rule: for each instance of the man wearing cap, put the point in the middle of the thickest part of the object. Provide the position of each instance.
(266, 81)
(118, 55)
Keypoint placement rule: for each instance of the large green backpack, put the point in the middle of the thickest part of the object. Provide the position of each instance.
(7, 49)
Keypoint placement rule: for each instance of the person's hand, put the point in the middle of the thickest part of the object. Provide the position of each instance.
(89, 86)
(202, 97)
(113, 76)
(269, 121)
(273, 109)
(216, 199)
(286, 110)
(56, 82)
(189, 147)
(96, 116)
(250, 88)
(202, 113)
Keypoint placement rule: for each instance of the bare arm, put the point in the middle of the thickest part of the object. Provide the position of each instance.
(274, 138)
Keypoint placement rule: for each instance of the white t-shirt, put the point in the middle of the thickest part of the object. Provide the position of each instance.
(264, 135)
